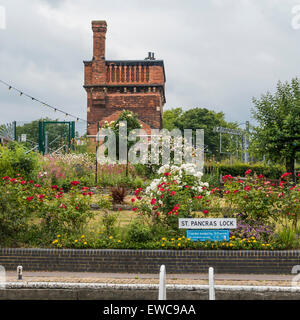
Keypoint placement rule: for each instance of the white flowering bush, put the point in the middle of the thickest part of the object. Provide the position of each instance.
(173, 195)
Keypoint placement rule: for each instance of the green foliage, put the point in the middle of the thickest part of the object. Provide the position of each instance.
(67, 214)
(132, 123)
(172, 196)
(278, 116)
(138, 232)
(28, 209)
(239, 168)
(287, 238)
(109, 220)
(14, 214)
(15, 162)
(57, 132)
(170, 117)
(201, 118)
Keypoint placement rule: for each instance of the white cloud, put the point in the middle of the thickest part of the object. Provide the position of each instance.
(217, 54)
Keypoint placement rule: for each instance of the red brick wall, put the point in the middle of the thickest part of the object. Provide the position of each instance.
(111, 86)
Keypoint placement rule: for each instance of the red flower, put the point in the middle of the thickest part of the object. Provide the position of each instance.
(137, 191)
(286, 175)
(161, 189)
(30, 181)
(281, 194)
(260, 176)
(235, 191)
(205, 211)
(84, 193)
(132, 200)
(76, 207)
(153, 201)
(85, 188)
(37, 185)
(227, 177)
(90, 193)
(57, 196)
(29, 198)
(41, 196)
(63, 206)
(74, 183)
(134, 209)
(172, 193)
(198, 197)
(120, 209)
(248, 172)
(176, 207)
(247, 188)
(13, 180)
(167, 174)
(23, 182)
(5, 178)
(227, 191)
(54, 187)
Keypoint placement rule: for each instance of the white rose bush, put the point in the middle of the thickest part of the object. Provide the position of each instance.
(175, 194)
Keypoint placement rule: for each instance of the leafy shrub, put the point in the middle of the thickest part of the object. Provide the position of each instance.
(239, 168)
(25, 204)
(287, 238)
(109, 220)
(138, 232)
(15, 162)
(14, 213)
(173, 195)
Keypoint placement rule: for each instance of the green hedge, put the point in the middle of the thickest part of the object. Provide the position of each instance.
(238, 169)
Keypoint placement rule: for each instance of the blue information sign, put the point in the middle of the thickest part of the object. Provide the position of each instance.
(212, 235)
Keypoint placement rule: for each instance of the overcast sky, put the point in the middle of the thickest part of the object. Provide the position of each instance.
(218, 54)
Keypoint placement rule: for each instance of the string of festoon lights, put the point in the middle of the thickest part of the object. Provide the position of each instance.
(44, 104)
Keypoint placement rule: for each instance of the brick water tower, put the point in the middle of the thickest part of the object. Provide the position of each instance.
(116, 85)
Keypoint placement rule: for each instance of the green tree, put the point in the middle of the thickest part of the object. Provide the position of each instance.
(169, 118)
(132, 123)
(57, 133)
(277, 135)
(202, 118)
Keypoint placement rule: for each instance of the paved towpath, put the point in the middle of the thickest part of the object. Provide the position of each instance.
(125, 278)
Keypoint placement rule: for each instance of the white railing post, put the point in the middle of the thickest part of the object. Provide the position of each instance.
(211, 283)
(162, 295)
(19, 272)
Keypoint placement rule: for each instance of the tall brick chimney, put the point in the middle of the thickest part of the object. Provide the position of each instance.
(99, 33)
(115, 85)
